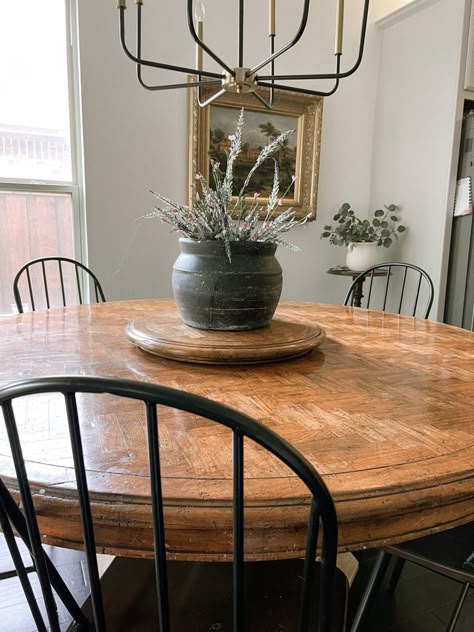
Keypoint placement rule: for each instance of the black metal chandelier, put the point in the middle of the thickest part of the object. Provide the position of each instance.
(239, 79)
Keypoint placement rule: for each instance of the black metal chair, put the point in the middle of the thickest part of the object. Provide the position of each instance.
(274, 586)
(11, 516)
(58, 287)
(67, 283)
(450, 553)
(406, 282)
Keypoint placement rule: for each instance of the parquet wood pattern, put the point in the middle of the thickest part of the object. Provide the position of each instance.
(383, 409)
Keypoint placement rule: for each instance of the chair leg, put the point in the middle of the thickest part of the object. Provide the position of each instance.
(18, 521)
(397, 571)
(376, 577)
(457, 609)
(21, 571)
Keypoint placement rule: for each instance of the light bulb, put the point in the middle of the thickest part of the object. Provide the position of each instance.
(199, 11)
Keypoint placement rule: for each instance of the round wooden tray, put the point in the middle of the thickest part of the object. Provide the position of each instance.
(164, 334)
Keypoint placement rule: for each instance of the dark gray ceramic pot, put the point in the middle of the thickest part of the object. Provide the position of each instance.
(213, 293)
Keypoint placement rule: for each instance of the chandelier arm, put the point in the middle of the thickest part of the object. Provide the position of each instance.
(331, 92)
(201, 44)
(318, 93)
(272, 68)
(338, 70)
(241, 33)
(154, 64)
(211, 99)
(290, 44)
(262, 100)
(336, 83)
(199, 97)
(337, 75)
(140, 80)
(193, 84)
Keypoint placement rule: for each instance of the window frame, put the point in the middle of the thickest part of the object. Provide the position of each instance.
(75, 187)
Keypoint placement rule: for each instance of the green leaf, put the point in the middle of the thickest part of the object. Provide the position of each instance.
(387, 242)
(401, 229)
(328, 228)
(345, 207)
(379, 213)
(376, 222)
(385, 233)
(325, 234)
(384, 224)
(394, 218)
(336, 216)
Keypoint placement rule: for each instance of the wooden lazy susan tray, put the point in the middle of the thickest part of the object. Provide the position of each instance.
(164, 334)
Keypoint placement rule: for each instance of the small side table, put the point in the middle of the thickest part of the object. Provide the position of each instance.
(358, 293)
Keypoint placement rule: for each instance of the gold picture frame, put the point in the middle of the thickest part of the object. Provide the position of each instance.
(301, 110)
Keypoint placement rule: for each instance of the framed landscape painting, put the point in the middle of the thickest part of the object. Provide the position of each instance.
(210, 127)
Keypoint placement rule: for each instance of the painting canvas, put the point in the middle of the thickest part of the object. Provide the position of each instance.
(260, 128)
(210, 127)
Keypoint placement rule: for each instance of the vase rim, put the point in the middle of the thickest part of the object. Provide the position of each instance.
(362, 243)
(219, 246)
(221, 241)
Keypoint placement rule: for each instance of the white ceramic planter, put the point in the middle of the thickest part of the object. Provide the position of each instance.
(362, 256)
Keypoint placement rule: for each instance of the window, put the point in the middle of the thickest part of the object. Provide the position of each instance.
(38, 179)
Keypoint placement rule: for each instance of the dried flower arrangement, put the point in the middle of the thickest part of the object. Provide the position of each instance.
(214, 215)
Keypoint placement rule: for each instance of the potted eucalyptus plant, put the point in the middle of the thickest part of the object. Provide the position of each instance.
(227, 276)
(364, 238)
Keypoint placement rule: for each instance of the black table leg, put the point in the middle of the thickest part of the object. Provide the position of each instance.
(358, 294)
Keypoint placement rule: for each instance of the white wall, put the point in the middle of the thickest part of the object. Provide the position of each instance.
(417, 126)
(135, 140)
(382, 8)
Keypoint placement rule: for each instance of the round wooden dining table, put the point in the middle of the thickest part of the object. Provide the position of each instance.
(383, 409)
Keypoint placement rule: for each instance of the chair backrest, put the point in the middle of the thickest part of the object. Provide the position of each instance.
(406, 289)
(322, 522)
(55, 281)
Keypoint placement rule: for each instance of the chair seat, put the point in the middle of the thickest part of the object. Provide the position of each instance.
(443, 552)
(349, 565)
(201, 596)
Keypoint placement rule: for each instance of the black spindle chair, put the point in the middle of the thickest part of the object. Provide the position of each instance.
(450, 553)
(407, 289)
(50, 277)
(318, 588)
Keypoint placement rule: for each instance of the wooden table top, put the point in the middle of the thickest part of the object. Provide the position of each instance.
(383, 409)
